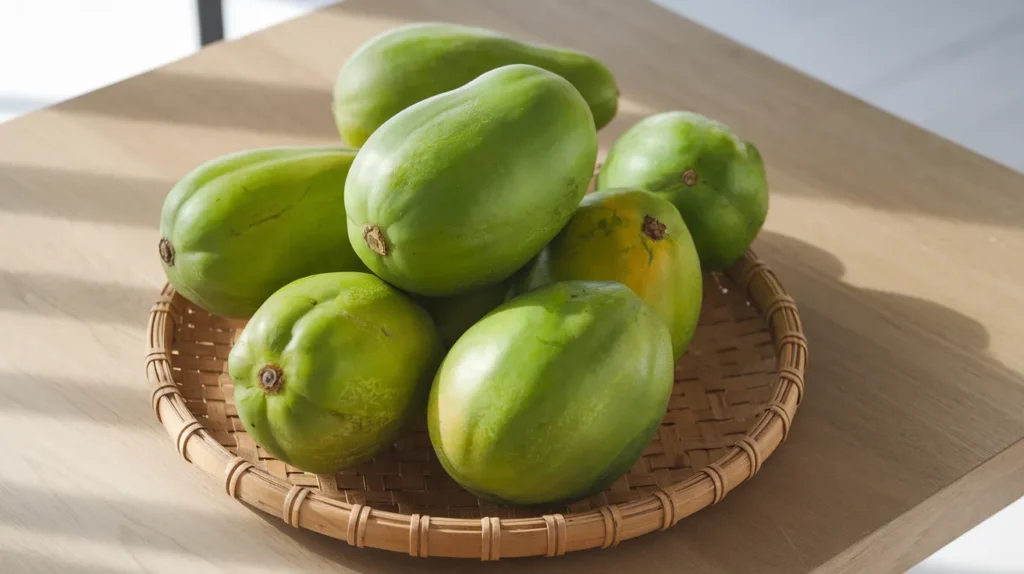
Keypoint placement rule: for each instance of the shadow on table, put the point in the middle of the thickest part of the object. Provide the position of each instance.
(56, 295)
(69, 400)
(175, 98)
(80, 196)
(24, 561)
(862, 340)
(126, 523)
(891, 394)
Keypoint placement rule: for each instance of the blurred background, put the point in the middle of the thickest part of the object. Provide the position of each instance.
(953, 67)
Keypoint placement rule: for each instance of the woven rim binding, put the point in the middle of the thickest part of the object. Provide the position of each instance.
(492, 538)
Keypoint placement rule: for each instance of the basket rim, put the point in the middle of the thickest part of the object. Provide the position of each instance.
(485, 538)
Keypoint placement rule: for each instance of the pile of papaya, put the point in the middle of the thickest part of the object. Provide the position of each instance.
(444, 264)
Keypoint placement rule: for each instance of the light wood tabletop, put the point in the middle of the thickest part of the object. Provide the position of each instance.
(902, 250)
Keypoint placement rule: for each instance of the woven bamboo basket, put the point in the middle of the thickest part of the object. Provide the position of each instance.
(736, 392)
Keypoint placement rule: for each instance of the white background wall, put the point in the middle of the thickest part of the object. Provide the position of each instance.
(51, 50)
(955, 67)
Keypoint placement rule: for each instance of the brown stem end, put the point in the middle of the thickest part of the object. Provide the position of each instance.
(166, 251)
(374, 239)
(690, 178)
(271, 379)
(654, 228)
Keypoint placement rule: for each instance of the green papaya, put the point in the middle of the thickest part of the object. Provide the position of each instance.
(553, 395)
(331, 367)
(462, 189)
(715, 179)
(411, 63)
(238, 228)
(637, 238)
(454, 314)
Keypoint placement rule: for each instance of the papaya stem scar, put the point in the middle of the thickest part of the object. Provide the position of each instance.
(690, 177)
(271, 378)
(166, 251)
(654, 228)
(374, 239)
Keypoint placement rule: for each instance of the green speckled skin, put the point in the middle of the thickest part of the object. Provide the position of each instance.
(467, 186)
(553, 395)
(357, 357)
(412, 63)
(724, 208)
(606, 241)
(244, 225)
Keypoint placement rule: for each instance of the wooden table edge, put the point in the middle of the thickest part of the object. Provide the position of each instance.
(938, 520)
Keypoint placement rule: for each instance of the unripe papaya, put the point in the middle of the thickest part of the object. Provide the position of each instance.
(715, 179)
(637, 238)
(238, 228)
(462, 189)
(553, 395)
(412, 63)
(331, 368)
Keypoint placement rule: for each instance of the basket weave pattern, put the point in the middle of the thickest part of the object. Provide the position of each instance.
(735, 394)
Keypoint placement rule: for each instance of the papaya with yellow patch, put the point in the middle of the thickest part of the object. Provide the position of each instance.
(553, 395)
(637, 238)
(716, 179)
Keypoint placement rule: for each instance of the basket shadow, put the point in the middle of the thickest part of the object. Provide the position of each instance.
(935, 351)
(81, 196)
(176, 98)
(79, 299)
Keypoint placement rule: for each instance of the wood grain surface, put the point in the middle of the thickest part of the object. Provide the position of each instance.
(902, 250)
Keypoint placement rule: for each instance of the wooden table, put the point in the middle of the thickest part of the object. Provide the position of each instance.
(902, 250)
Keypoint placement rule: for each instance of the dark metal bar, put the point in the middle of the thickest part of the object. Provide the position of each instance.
(211, 21)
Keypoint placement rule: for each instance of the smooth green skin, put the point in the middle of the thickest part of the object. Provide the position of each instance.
(357, 356)
(553, 395)
(726, 208)
(454, 314)
(246, 224)
(412, 63)
(467, 186)
(605, 241)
